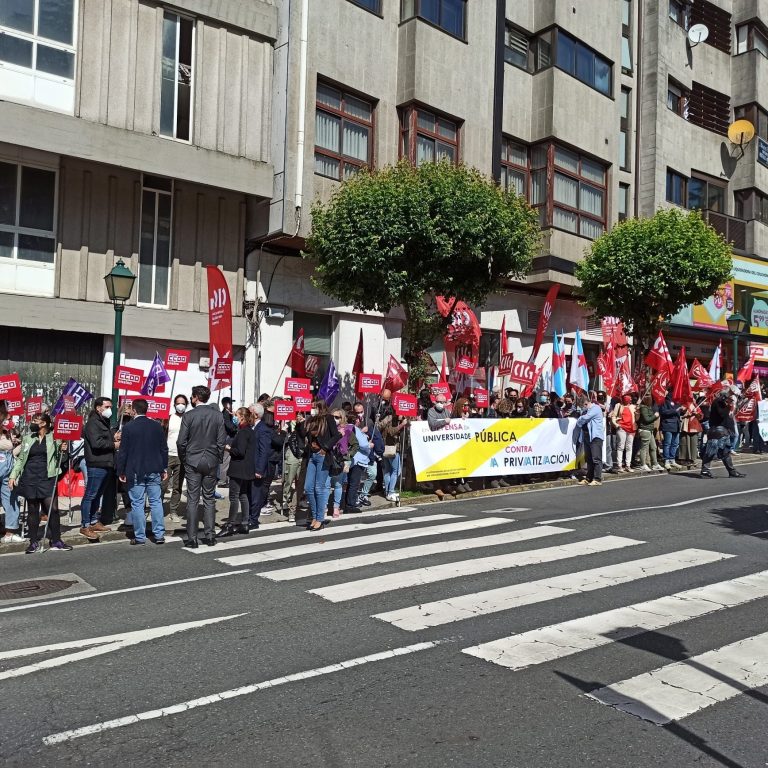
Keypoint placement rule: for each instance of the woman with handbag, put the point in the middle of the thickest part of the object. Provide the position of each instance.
(322, 436)
(341, 460)
(34, 476)
(393, 435)
(690, 429)
(240, 474)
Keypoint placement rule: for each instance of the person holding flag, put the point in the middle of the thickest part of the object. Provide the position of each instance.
(722, 428)
(579, 377)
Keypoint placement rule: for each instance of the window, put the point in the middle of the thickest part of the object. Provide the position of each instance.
(757, 116)
(27, 213)
(343, 133)
(427, 137)
(626, 36)
(578, 196)
(752, 37)
(676, 187)
(623, 201)
(176, 77)
(37, 52)
(448, 15)
(583, 63)
(515, 176)
(490, 348)
(751, 204)
(155, 242)
(516, 47)
(371, 5)
(678, 98)
(318, 335)
(709, 109)
(624, 135)
(717, 20)
(678, 12)
(706, 193)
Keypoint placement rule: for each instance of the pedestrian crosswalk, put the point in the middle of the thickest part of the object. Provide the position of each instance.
(419, 572)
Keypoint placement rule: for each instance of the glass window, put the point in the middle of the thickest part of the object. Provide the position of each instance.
(27, 213)
(56, 20)
(515, 47)
(155, 246)
(514, 167)
(14, 50)
(678, 13)
(578, 60)
(697, 194)
(435, 138)
(343, 133)
(318, 338)
(449, 15)
(18, 14)
(626, 55)
(675, 188)
(624, 142)
(176, 77)
(371, 5)
(623, 201)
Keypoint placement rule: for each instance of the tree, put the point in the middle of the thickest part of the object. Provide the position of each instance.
(646, 270)
(399, 236)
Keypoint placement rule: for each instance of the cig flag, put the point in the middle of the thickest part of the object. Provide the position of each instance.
(157, 375)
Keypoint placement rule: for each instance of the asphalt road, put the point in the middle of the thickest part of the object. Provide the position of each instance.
(163, 657)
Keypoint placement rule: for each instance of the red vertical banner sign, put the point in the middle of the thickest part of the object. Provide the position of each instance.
(546, 314)
(219, 328)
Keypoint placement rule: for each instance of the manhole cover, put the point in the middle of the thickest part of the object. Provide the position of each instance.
(21, 590)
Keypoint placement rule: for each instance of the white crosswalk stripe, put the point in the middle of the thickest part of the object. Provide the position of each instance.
(491, 601)
(405, 553)
(284, 553)
(444, 571)
(680, 689)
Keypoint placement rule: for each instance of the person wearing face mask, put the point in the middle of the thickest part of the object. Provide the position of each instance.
(175, 468)
(624, 420)
(437, 418)
(100, 446)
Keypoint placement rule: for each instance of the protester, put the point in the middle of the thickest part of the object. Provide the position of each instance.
(201, 449)
(722, 427)
(8, 496)
(100, 446)
(341, 451)
(392, 457)
(142, 464)
(260, 450)
(175, 477)
(360, 459)
(34, 476)
(293, 455)
(623, 419)
(240, 477)
(647, 421)
(437, 418)
(690, 429)
(669, 414)
(230, 427)
(592, 426)
(322, 436)
(368, 428)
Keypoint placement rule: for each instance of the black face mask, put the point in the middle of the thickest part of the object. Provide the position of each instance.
(34, 429)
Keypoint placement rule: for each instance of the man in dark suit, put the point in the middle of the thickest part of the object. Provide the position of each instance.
(142, 463)
(260, 449)
(201, 449)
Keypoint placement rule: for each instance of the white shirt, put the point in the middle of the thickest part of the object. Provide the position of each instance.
(174, 425)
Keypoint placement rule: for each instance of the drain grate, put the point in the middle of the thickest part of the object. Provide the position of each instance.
(22, 590)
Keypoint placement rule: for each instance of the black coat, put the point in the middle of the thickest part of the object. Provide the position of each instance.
(669, 416)
(239, 467)
(99, 442)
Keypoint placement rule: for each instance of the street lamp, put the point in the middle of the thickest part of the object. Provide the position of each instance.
(737, 324)
(119, 282)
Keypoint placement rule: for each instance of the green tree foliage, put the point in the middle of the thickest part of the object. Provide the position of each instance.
(645, 270)
(399, 236)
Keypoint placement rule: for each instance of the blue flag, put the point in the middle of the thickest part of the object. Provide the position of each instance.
(330, 386)
(76, 390)
(157, 375)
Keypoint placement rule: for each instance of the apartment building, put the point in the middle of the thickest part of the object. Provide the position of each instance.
(129, 129)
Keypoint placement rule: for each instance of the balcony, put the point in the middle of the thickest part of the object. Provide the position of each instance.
(732, 229)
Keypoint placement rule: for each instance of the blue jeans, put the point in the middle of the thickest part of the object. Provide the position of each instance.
(391, 473)
(337, 484)
(149, 486)
(8, 497)
(317, 486)
(671, 443)
(91, 503)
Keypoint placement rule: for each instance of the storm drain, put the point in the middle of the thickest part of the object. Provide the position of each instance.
(36, 589)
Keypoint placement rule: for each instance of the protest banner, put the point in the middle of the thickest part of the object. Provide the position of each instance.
(440, 388)
(75, 388)
(68, 426)
(505, 364)
(33, 406)
(762, 419)
(481, 397)
(368, 383)
(405, 405)
(128, 379)
(10, 387)
(69, 403)
(311, 364)
(492, 447)
(14, 406)
(219, 327)
(285, 410)
(157, 407)
(177, 359)
(303, 402)
(523, 373)
(296, 386)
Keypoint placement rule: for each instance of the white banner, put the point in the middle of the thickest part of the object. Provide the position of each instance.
(493, 447)
(762, 418)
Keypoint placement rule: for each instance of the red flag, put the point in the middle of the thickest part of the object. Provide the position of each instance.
(753, 390)
(681, 381)
(296, 361)
(462, 339)
(528, 390)
(717, 387)
(546, 314)
(357, 366)
(623, 384)
(747, 411)
(609, 378)
(503, 340)
(659, 386)
(701, 374)
(613, 332)
(396, 377)
(219, 327)
(641, 379)
(745, 374)
(444, 369)
(659, 358)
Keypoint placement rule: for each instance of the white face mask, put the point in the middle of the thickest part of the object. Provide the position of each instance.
(313, 412)
(107, 413)
(180, 408)
(439, 406)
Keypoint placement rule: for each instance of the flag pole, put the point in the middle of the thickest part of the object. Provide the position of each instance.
(285, 365)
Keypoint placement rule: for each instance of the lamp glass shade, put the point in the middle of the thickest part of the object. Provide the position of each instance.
(737, 323)
(120, 282)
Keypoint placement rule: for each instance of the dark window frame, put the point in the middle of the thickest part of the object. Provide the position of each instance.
(362, 4)
(417, 14)
(345, 160)
(625, 195)
(511, 166)
(509, 50)
(624, 127)
(681, 107)
(673, 174)
(682, 13)
(756, 115)
(626, 34)
(708, 181)
(753, 26)
(579, 45)
(758, 202)
(409, 128)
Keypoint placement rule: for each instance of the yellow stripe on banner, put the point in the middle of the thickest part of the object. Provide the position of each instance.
(476, 452)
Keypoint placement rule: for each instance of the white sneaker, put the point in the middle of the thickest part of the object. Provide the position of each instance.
(392, 497)
(676, 465)
(11, 538)
(645, 468)
(174, 518)
(268, 510)
(628, 469)
(657, 468)
(667, 465)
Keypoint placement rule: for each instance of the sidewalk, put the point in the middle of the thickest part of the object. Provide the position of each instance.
(70, 529)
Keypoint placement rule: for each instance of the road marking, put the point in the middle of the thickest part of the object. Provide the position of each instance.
(110, 643)
(316, 544)
(494, 600)
(677, 690)
(420, 550)
(569, 637)
(658, 506)
(185, 706)
(303, 535)
(433, 573)
(93, 595)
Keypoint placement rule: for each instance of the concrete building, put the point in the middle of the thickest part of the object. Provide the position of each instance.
(133, 129)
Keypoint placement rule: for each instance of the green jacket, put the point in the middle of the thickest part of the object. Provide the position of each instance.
(53, 446)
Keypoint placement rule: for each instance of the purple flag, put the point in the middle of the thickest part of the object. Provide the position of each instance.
(74, 389)
(330, 386)
(157, 375)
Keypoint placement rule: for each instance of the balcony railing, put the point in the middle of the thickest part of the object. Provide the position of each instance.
(732, 229)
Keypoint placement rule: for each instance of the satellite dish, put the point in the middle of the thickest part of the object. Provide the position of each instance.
(740, 134)
(698, 33)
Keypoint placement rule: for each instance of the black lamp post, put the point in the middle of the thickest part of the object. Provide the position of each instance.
(119, 282)
(737, 324)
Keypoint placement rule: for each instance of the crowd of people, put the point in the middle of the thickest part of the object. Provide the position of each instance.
(325, 463)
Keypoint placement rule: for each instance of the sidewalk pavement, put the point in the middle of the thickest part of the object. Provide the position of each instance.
(117, 532)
